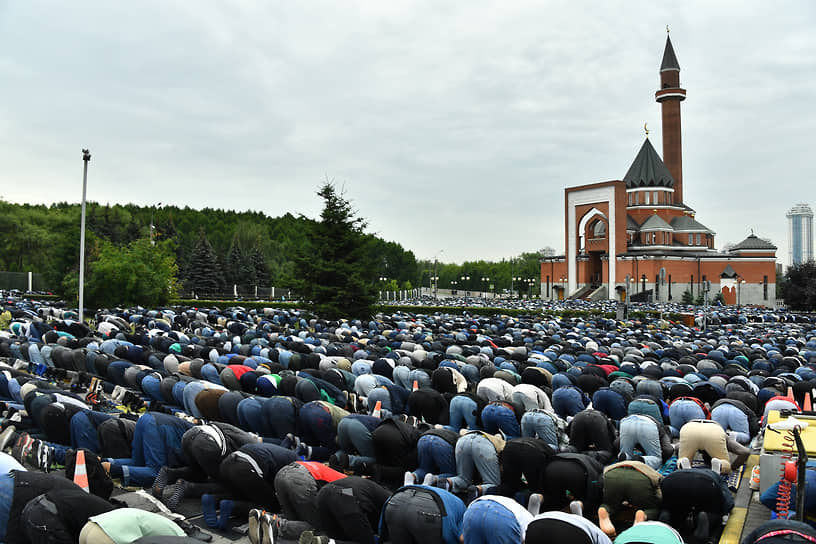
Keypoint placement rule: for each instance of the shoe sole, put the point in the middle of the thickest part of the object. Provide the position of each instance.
(254, 526)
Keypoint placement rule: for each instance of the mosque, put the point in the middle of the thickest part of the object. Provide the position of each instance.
(638, 237)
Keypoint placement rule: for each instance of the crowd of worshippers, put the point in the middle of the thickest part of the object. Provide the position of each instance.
(405, 429)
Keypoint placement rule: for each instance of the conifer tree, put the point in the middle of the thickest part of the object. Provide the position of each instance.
(336, 276)
(203, 274)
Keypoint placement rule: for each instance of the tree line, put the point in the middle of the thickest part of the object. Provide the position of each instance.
(206, 252)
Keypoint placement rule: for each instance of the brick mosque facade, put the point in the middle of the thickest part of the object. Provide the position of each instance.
(638, 237)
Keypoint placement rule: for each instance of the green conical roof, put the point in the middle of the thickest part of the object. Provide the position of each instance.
(648, 170)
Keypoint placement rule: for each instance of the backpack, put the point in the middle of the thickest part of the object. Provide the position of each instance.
(99, 481)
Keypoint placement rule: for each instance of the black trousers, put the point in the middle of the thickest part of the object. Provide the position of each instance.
(412, 516)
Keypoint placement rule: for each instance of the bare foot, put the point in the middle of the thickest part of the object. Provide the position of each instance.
(640, 516)
(605, 523)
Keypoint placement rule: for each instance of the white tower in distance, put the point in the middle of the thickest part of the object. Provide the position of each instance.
(800, 234)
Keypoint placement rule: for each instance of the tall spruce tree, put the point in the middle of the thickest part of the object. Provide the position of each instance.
(259, 266)
(203, 274)
(336, 276)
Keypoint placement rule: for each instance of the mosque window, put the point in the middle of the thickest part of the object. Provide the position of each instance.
(646, 198)
(691, 239)
(698, 239)
(599, 229)
(654, 197)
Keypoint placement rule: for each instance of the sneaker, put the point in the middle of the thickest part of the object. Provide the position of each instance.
(303, 451)
(6, 436)
(21, 447)
(408, 478)
(305, 537)
(290, 441)
(429, 480)
(684, 463)
(339, 461)
(716, 465)
(473, 493)
(269, 528)
(45, 457)
(254, 526)
(208, 509)
(754, 483)
(160, 482)
(577, 508)
(174, 493)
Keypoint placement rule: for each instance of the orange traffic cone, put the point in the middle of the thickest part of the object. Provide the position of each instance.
(790, 394)
(808, 406)
(80, 472)
(416, 386)
(377, 409)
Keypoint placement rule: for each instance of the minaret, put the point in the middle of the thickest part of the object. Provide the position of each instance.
(670, 95)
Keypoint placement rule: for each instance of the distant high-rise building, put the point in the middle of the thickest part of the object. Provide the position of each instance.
(800, 234)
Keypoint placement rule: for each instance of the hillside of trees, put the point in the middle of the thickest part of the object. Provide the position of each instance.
(216, 249)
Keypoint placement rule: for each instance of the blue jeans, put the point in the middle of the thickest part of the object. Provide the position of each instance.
(681, 412)
(353, 435)
(382, 395)
(191, 390)
(147, 457)
(6, 496)
(641, 431)
(436, 455)
(567, 401)
(497, 417)
(474, 451)
(539, 424)
(488, 522)
(462, 412)
(732, 419)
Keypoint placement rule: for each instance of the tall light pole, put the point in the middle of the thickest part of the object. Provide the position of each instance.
(152, 226)
(86, 158)
(436, 281)
(485, 279)
(563, 288)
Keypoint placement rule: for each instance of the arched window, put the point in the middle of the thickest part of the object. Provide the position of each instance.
(598, 229)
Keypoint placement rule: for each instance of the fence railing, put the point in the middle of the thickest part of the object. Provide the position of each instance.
(20, 281)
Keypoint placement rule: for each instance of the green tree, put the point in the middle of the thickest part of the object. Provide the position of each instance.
(203, 275)
(138, 273)
(799, 288)
(687, 298)
(336, 274)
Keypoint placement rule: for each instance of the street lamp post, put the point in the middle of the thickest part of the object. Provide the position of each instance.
(517, 280)
(563, 288)
(436, 277)
(465, 282)
(740, 283)
(86, 158)
(485, 279)
(383, 279)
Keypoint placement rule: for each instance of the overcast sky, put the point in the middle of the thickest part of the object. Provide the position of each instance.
(454, 126)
